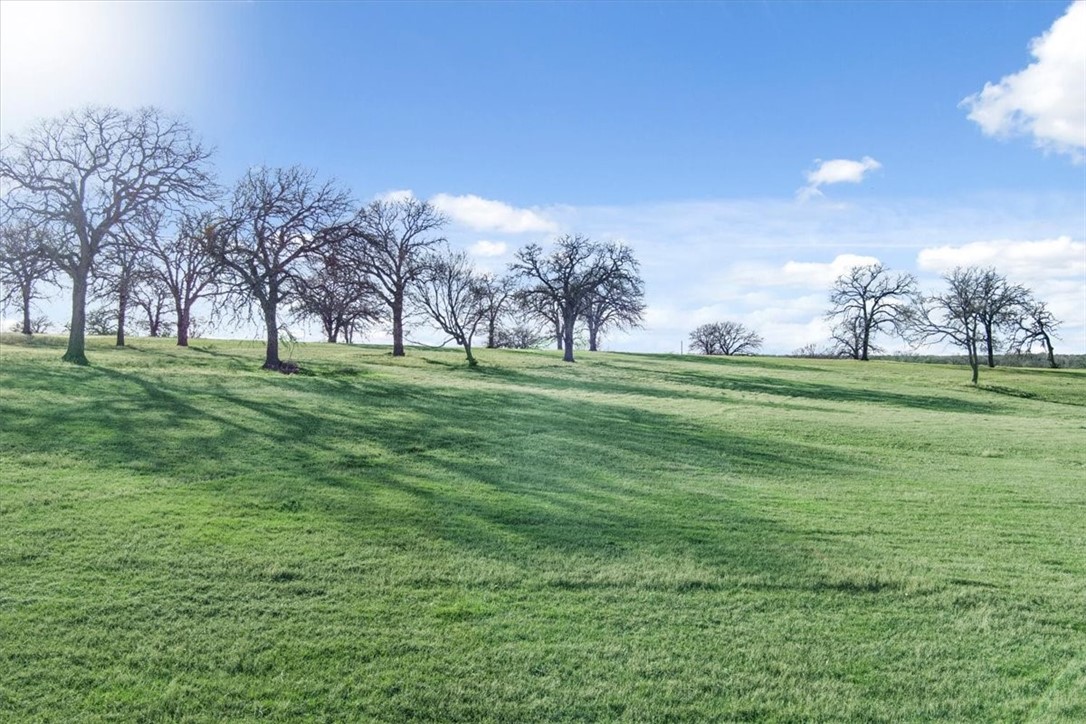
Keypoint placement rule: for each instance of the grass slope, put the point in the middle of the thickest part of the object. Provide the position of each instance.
(643, 538)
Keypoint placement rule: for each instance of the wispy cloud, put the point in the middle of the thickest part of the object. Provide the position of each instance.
(836, 171)
(394, 195)
(482, 214)
(1055, 269)
(769, 263)
(488, 248)
(1047, 99)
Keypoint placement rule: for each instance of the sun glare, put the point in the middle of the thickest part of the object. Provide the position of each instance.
(59, 55)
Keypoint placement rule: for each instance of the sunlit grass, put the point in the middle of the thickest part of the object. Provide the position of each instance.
(631, 537)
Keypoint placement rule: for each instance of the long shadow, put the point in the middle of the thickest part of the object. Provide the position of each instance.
(836, 393)
(485, 466)
(679, 390)
(718, 361)
(705, 386)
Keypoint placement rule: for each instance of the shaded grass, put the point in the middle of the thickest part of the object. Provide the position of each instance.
(632, 537)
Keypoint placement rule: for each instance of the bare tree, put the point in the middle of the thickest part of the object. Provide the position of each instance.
(724, 338)
(703, 339)
(340, 296)
(38, 325)
(102, 321)
(389, 243)
(183, 262)
(1034, 324)
(499, 295)
(25, 264)
(952, 316)
(152, 297)
(538, 309)
(116, 275)
(569, 276)
(452, 294)
(82, 175)
(870, 299)
(280, 218)
(521, 333)
(847, 338)
(616, 304)
(1000, 302)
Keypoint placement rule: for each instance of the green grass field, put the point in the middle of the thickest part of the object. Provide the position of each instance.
(633, 538)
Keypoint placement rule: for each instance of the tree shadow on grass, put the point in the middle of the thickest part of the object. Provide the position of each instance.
(825, 392)
(502, 473)
(713, 387)
(615, 386)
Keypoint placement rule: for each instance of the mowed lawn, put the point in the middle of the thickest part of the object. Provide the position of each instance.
(631, 538)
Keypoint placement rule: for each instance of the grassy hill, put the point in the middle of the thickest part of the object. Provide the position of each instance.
(632, 537)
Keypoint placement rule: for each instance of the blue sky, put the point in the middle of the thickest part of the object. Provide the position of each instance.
(686, 130)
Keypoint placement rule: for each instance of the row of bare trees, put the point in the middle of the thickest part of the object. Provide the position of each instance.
(978, 311)
(125, 205)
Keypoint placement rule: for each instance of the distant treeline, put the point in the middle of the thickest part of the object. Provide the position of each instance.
(1065, 361)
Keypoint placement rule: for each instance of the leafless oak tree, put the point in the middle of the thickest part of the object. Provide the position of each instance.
(867, 300)
(452, 294)
(389, 242)
(570, 275)
(340, 296)
(847, 338)
(117, 272)
(83, 174)
(1000, 302)
(25, 264)
(499, 295)
(616, 304)
(952, 316)
(725, 338)
(153, 298)
(1034, 324)
(280, 218)
(184, 261)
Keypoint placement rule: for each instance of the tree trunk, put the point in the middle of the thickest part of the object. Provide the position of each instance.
(567, 342)
(1050, 352)
(865, 343)
(271, 357)
(77, 335)
(27, 324)
(974, 361)
(492, 332)
(988, 344)
(593, 336)
(122, 308)
(397, 326)
(472, 362)
(183, 326)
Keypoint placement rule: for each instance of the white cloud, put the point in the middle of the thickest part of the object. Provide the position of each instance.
(488, 248)
(489, 215)
(836, 171)
(1047, 99)
(1028, 261)
(1054, 269)
(823, 274)
(395, 195)
(769, 263)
